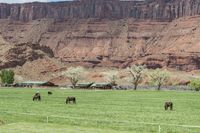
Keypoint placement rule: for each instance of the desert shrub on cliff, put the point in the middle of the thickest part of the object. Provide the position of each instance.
(195, 84)
(158, 78)
(74, 74)
(7, 76)
(136, 72)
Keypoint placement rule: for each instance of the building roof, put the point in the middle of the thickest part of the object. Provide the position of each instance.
(34, 82)
(101, 84)
(85, 83)
(38, 83)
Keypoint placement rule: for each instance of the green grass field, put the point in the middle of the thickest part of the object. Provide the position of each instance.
(98, 112)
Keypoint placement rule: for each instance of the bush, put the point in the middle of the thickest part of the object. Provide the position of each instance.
(195, 84)
(7, 76)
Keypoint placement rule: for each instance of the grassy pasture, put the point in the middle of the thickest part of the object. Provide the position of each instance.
(98, 112)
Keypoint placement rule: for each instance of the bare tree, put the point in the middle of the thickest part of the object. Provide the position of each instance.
(74, 74)
(111, 77)
(136, 72)
(158, 78)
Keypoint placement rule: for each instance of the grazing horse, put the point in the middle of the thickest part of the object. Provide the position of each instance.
(69, 99)
(50, 93)
(168, 105)
(37, 97)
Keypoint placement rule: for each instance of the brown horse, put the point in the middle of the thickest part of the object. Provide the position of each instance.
(168, 105)
(37, 97)
(70, 99)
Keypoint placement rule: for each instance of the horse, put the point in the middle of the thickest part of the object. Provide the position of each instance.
(37, 97)
(50, 93)
(71, 99)
(168, 105)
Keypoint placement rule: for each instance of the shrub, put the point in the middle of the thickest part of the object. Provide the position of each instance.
(7, 76)
(195, 84)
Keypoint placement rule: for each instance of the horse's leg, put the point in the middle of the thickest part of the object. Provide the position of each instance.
(171, 107)
(165, 107)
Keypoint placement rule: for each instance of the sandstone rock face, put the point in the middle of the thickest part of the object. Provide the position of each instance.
(162, 10)
(112, 43)
(18, 55)
(157, 33)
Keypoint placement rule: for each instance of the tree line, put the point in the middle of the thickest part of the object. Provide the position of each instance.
(137, 74)
(157, 77)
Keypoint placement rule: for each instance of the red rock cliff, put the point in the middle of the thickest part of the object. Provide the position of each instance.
(163, 10)
(158, 33)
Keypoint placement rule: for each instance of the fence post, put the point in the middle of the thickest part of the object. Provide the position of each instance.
(47, 119)
(159, 128)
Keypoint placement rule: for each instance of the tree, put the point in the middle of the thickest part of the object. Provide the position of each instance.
(195, 84)
(7, 76)
(111, 77)
(158, 78)
(74, 74)
(136, 72)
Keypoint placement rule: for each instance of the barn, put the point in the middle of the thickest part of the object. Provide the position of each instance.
(35, 83)
(84, 85)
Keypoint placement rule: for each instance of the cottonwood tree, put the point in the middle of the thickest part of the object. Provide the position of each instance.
(111, 77)
(74, 74)
(136, 72)
(158, 78)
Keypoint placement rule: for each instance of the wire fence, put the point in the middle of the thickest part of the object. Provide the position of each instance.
(46, 119)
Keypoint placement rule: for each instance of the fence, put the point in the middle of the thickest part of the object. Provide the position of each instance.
(159, 125)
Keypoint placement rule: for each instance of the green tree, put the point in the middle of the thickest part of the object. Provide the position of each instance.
(136, 72)
(195, 84)
(74, 74)
(158, 78)
(7, 76)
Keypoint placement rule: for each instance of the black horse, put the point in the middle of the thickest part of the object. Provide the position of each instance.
(70, 99)
(50, 93)
(168, 105)
(37, 97)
